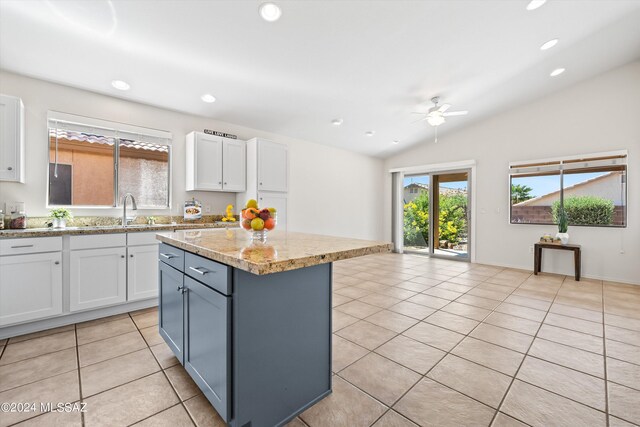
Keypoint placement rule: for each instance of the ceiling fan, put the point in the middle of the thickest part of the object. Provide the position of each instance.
(438, 113)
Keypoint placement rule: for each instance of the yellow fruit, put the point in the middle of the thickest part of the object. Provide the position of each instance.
(272, 210)
(257, 224)
(252, 203)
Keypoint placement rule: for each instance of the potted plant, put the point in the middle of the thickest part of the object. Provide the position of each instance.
(151, 220)
(563, 225)
(59, 217)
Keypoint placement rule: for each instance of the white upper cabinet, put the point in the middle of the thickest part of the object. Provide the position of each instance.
(273, 166)
(11, 139)
(234, 165)
(214, 160)
(204, 162)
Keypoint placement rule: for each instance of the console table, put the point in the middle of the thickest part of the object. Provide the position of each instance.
(537, 256)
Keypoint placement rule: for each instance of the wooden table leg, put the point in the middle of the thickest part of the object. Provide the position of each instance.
(577, 262)
(537, 262)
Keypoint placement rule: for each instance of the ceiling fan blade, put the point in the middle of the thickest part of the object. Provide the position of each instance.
(455, 113)
(444, 107)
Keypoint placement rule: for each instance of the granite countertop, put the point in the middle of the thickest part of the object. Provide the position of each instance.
(283, 250)
(107, 229)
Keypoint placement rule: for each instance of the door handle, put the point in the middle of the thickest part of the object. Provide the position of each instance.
(167, 256)
(21, 246)
(201, 270)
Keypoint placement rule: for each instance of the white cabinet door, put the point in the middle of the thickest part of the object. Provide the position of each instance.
(11, 139)
(277, 201)
(30, 287)
(142, 272)
(204, 162)
(98, 278)
(273, 166)
(233, 165)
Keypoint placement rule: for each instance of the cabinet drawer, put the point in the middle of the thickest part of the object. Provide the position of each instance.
(172, 256)
(30, 245)
(98, 241)
(213, 274)
(142, 238)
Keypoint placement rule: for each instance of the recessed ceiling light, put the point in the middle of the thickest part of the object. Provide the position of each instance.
(557, 72)
(534, 4)
(549, 44)
(207, 97)
(370, 133)
(395, 142)
(120, 85)
(270, 12)
(336, 122)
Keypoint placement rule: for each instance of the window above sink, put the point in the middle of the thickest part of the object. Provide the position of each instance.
(93, 163)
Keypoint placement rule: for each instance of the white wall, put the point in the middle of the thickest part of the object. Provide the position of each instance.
(601, 114)
(327, 184)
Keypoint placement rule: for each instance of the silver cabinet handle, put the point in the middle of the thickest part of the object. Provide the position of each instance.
(167, 256)
(21, 246)
(9, 168)
(225, 183)
(201, 270)
(121, 256)
(219, 182)
(57, 262)
(180, 288)
(260, 183)
(131, 256)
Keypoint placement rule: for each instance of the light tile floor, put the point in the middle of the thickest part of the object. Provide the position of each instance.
(417, 341)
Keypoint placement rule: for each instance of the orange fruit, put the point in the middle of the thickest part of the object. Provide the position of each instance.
(270, 224)
(246, 224)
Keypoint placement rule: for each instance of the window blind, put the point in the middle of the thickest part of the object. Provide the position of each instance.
(88, 125)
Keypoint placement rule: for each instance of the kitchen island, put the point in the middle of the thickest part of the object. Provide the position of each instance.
(251, 322)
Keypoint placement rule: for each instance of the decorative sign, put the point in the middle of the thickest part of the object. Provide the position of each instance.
(222, 134)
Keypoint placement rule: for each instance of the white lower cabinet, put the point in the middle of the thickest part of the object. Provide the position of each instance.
(142, 272)
(30, 287)
(98, 278)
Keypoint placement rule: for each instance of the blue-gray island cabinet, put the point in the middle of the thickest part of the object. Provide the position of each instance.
(251, 323)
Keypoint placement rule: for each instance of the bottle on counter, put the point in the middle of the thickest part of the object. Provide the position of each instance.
(1, 219)
(18, 220)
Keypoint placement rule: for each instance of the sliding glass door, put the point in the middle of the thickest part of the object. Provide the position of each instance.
(436, 208)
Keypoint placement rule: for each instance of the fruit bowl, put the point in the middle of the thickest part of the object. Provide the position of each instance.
(258, 221)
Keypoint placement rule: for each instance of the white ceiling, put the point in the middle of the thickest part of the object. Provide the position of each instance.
(369, 62)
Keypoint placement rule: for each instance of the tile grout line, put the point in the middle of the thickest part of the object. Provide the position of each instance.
(180, 401)
(604, 353)
(75, 333)
(513, 379)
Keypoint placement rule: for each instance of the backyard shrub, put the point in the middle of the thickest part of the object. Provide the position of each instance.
(416, 221)
(453, 221)
(585, 210)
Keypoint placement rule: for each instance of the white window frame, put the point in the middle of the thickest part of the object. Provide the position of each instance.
(113, 129)
(619, 157)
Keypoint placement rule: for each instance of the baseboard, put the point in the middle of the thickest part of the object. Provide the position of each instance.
(71, 318)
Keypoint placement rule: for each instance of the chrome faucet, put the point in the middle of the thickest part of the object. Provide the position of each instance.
(125, 220)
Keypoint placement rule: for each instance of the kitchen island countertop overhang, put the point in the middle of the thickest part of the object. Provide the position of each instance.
(283, 250)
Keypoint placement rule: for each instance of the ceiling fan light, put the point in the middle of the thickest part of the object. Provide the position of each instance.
(534, 4)
(435, 118)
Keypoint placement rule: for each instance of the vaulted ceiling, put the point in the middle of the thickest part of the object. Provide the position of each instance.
(370, 63)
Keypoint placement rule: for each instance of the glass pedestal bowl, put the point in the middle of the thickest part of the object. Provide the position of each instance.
(258, 223)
